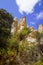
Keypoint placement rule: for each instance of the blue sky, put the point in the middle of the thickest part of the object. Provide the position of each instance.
(32, 9)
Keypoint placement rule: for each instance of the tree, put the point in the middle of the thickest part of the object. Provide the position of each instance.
(38, 37)
(13, 44)
(23, 33)
(5, 25)
(39, 45)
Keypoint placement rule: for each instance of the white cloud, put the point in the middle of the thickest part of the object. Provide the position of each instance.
(40, 15)
(26, 6)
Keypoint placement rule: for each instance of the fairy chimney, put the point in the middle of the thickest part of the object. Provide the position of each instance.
(22, 23)
(14, 26)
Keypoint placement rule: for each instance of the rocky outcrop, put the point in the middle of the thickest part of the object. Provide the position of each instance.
(14, 26)
(40, 29)
(22, 23)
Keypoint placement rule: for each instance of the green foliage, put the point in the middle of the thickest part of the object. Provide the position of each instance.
(38, 36)
(11, 47)
(5, 24)
(22, 34)
(23, 45)
(6, 16)
(25, 31)
(13, 43)
(41, 34)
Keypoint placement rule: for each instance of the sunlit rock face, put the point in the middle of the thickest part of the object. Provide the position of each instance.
(40, 29)
(21, 28)
(18, 26)
(13, 30)
(30, 39)
(22, 24)
(14, 26)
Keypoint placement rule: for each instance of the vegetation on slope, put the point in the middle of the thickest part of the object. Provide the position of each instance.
(15, 50)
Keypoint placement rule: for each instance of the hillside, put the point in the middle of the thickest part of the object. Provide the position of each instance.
(19, 44)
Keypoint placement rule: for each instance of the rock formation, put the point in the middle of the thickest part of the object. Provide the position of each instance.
(40, 29)
(22, 23)
(18, 26)
(14, 26)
